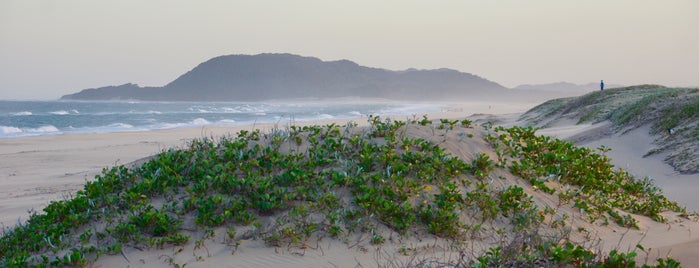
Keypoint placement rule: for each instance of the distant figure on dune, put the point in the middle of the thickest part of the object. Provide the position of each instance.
(601, 85)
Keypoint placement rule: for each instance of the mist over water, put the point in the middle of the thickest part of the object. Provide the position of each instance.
(36, 118)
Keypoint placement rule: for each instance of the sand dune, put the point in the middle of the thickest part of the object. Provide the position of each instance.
(37, 170)
(628, 152)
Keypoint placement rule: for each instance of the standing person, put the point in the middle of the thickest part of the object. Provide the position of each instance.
(601, 85)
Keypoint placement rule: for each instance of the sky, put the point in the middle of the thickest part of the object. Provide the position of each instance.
(49, 48)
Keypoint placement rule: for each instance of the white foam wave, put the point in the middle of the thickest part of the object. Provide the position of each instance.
(137, 112)
(121, 126)
(249, 109)
(230, 110)
(195, 122)
(64, 112)
(10, 131)
(44, 129)
(242, 109)
(325, 116)
(410, 109)
(114, 127)
(317, 117)
(200, 110)
(168, 116)
(200, 121)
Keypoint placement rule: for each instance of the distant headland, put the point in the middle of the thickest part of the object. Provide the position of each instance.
(286, 76)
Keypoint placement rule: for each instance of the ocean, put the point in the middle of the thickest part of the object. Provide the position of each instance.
(37, 118)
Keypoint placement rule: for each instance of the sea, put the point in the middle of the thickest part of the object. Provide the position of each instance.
(39, 118)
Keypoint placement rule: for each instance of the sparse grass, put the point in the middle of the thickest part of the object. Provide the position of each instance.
(545, 110)
(677, 116)
(334, 180)
(628, 108)
(600, 188)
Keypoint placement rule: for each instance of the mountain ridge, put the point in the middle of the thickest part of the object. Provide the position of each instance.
(279, 76)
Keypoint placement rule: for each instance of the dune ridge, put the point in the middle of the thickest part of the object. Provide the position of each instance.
(670, 115)
(472, 167)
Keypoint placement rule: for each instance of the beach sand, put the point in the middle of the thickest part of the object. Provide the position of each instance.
(627, 152)
(37, 170)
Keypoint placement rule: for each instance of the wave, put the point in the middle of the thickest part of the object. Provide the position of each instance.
(202, 111)
(64, 112)
(355, 113)
(243, 109)
(23, 120)
(135, 112)
(42, 129)
(10, 131)
(325, 116)
(114, 127)
(120, 126)
(193, 123)
(231, 110)
(317, 117)
(411, 109)
(240, 109)
(200, 122)
(23, 113)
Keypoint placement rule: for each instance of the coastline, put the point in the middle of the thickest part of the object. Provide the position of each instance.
(37, 170)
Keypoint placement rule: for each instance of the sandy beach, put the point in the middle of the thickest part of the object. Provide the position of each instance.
(36, 170)
(627, 152)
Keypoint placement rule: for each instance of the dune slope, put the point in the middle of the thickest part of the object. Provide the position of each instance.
(395, 192)
(671, 114)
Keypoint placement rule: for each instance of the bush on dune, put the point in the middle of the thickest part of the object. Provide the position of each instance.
(339, 181)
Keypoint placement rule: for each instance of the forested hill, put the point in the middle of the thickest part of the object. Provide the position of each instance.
(283, 76)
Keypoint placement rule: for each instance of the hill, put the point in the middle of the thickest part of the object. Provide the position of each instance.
(415, 192)
(287, 76)
(672, 115)
(558, 89)
(555, 87)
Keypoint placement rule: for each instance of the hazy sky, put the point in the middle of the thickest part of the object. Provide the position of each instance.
(51, 48)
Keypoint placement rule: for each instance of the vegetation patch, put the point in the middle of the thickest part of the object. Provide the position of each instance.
(289, 186)
(598, 188)
(671, 113)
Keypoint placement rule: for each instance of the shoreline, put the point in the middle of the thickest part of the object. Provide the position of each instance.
(234, 115)
(37, 170)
